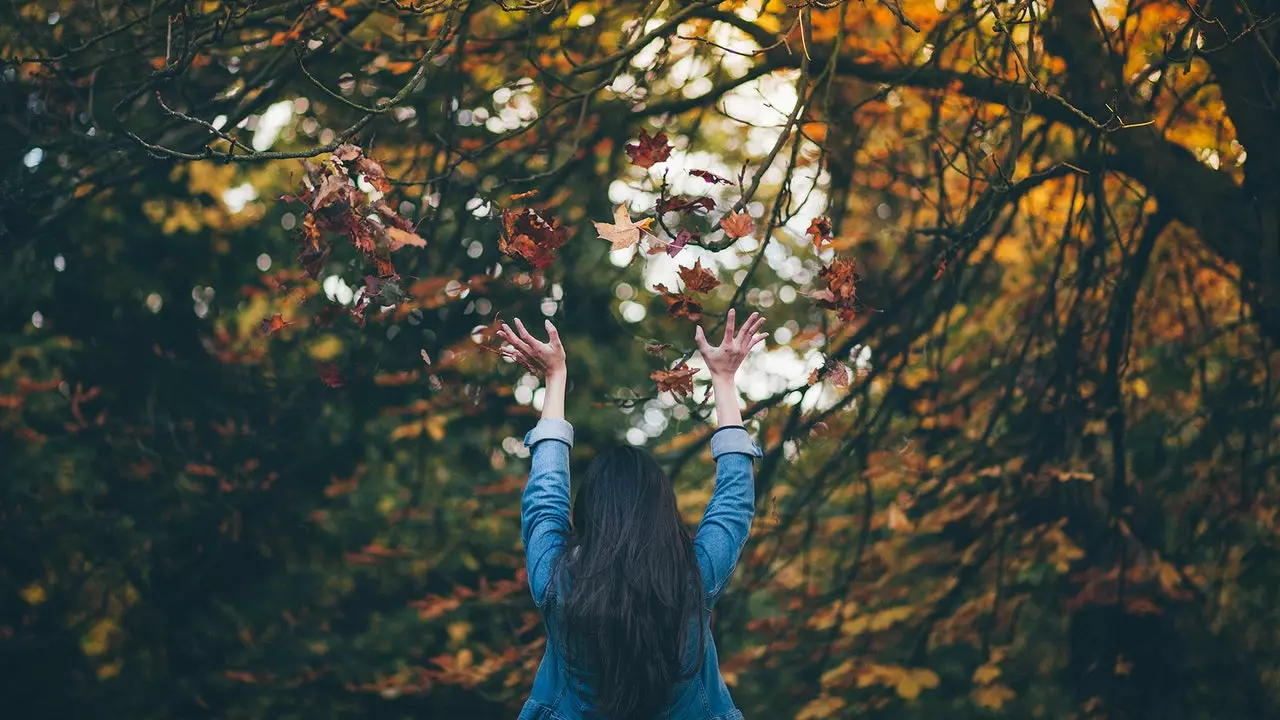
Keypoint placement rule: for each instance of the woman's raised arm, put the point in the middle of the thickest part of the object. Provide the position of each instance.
(544, 509)
(727, 521)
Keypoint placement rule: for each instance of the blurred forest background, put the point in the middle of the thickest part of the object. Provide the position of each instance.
(1021, 260)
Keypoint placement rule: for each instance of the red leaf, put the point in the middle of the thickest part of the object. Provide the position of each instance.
(329, 375)
(648, 150)
(682, 203)
(698, 279)
(678, 380)
(710, 177)
(820, 229)
(681, 240)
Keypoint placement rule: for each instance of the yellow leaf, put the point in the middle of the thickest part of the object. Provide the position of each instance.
(325, 348)
(907, 687)
(458, 631)
(820, 707)
(1140, 388)
(109, 670)
(993, 697)
(96, 641)
(33, 594)
(986, 674)
(837, 674)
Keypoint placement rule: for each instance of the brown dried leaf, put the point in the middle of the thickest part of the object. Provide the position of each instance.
(622, 233)
(698, 279)
(820, 229)
(737, 225)
(678, 380)
(398, 238)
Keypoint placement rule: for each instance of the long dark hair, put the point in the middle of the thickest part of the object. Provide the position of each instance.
(633, 591)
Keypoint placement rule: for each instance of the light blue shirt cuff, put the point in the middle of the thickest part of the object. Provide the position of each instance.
(550, 429)
(733, 440)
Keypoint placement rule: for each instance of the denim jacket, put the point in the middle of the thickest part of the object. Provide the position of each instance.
(544, 516)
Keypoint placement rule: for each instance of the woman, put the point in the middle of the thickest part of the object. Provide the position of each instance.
(625, 592)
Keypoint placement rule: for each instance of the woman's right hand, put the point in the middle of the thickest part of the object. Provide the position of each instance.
(724, 359)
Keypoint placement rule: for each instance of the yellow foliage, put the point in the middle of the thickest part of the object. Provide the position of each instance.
(986, 674)
(325, 348)
(98, 639)
(458, 631)
(822, 706)
(992, 697)
(33, 594)
(109, 670)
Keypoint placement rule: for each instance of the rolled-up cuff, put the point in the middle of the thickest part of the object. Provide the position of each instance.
(550, 429)
(733, 440)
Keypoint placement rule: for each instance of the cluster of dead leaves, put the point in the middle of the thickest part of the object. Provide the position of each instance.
(841, 293)
(528, 235)
(696, 279)
(337, 206)
(833, 370)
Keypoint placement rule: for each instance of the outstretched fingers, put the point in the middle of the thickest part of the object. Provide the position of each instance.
(524, 335)
(553, 335)
(728, 329)
(749, 329)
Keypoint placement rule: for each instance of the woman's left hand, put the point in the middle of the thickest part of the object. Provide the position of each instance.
(542, 358)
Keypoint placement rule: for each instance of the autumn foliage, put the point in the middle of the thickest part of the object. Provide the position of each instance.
(1021, 264)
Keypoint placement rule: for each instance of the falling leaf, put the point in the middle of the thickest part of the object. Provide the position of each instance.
(680, 304)
(525, 194)
(942, 268)
(710, 177)
(820, 229)
(338, 13)
(698, 279)
(678, 380)
(426, 358)
(399, 238)
(329, 375)
(656, 349)
(684, 203)
(832, 370)
(682, 239)
(841, 293)
(528, 235)
(648, 150)
(737, 225)
(622, 233)
(274, 323)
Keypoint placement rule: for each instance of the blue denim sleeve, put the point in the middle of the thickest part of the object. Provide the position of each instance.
(727, 521)
(544, 509)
